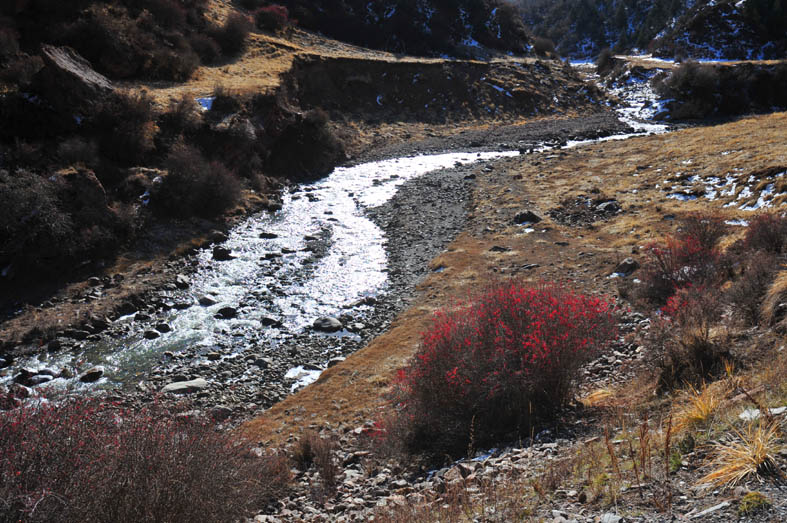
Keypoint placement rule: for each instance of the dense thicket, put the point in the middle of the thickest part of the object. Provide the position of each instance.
(423, 27)
(701, 28)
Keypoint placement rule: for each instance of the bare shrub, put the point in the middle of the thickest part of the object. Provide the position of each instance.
(231, 36)
(125, 128)
(206, 48)
(746, 294)
(313, 451)
(605, 62)
(90, 461)
(681, 338)
(495, 367)
(77, 150)
(767, 232)
(194, 186)
(543, 46)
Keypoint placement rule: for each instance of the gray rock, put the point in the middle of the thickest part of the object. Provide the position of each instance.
(627, 266)
(186, 387)
(526, 217)
(207, 301)
(327, 324)
(610, 207)
(151, 335)
(213, 356)
(39, 379)
(268, 235)
(92, 375)
(335, 361)
(68, 81)
(163, 328)
(610, 518)
(182, 281)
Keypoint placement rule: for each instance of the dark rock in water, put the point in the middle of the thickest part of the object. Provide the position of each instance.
(526, 217)
(151, 335)
(182, 281)
(182, 305)
(222, 254)
(627, 266)
(126, 308)
(268, 235)
(217, 237)
(24, 377)
(141, 316)
(227, 313)
(77, 334)
(207, 301)
(213, 356)
(163, 328)
(92, 375)
(4, 363)
(186, 387)
(271, 322)
(40, 379)
(327, 324)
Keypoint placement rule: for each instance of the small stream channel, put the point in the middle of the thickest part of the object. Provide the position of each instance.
(318, 256)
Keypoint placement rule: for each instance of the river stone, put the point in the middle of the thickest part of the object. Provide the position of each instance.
(163, 328)
(186, 387)
(222, 254)
(39, 379)
(182, 281)
(91, 375)
(268, 236)
(226, 313)
(526, 217)
(327, 324)
(207, 301)
(270, 322)
(151, 335)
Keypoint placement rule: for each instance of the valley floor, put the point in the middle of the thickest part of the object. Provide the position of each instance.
(642, 175)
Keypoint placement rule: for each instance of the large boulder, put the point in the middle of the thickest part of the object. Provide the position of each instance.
(68, 81)
(186, 387)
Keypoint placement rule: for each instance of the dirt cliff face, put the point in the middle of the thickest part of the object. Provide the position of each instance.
(436, 91)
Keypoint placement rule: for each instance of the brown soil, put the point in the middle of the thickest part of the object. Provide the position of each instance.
(632, 171)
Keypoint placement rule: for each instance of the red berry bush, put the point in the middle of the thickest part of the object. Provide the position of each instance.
(88, 461)
(494, 368)
(272, 18)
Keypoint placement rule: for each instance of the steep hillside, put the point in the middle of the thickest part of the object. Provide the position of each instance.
(424, 27)
(692, 28)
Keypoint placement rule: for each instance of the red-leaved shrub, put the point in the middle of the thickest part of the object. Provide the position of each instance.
(92, 462)
(491, 369)
(272, 17)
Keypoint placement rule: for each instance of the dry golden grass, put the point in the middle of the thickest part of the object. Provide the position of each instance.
(774, 298)
(751, 456)
(597, 398)
(699, 408)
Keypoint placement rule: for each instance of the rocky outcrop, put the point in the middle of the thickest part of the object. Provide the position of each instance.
(68, 81)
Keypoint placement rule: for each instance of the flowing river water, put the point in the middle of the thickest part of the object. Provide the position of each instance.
(314, 258)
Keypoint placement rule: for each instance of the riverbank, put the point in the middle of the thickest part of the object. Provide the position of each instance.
(148, 294)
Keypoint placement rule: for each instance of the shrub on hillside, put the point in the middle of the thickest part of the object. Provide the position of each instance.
(767, 232)
(494, 368)
(208, 50)
(745, 295)
(194, 186)
(231, 36)
(543, 46)
(695, 86)
(605, 62)
(689, 258)
(681, 338)
(91, 462)
(125, 128)
(272, 18)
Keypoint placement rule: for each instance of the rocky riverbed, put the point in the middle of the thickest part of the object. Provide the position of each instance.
(255, 352)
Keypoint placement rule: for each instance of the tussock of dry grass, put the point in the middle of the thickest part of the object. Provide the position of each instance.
(751, 456)
(700, 407)
(771, 305)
